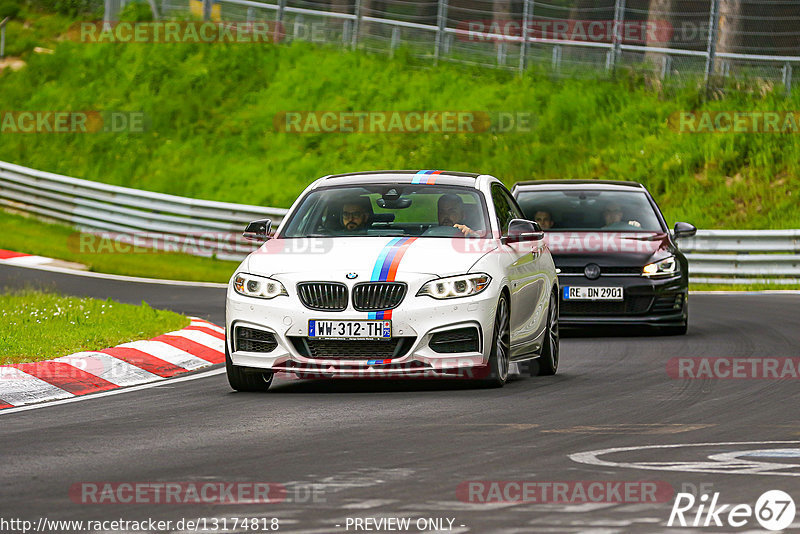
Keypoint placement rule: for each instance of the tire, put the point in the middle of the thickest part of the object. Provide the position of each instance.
(501, 346)
(547, 363)
(242, 380)
(676, 330)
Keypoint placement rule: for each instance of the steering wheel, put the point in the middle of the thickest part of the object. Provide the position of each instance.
(442, 231)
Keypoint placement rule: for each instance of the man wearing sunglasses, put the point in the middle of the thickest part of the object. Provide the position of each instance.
(356, 214)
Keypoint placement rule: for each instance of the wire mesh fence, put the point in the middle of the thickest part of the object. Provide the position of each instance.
(676, 40)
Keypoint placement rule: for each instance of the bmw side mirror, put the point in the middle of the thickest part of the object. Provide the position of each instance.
(683, 229)
(258, 230)
(520, 230)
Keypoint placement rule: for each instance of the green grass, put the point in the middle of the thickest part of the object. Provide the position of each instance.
(743, 287)
(39, 326)
(211, 110)
(23, 234)
(32, 28)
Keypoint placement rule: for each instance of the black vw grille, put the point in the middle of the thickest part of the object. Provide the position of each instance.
(251, 340)
(371, 296)
(326, 296)
(345, 349)
(668, 303)
(630, 306)
(604, 271)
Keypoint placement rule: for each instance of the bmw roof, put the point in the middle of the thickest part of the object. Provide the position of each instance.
(426, 177)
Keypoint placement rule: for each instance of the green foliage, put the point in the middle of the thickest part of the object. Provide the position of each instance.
(211, 108)
(70, 8)
(137, 12)
(9, 8)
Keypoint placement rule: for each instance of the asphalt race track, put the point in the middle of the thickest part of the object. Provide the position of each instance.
(379, 449)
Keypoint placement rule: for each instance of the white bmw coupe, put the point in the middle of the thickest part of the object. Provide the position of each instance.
(394, 273)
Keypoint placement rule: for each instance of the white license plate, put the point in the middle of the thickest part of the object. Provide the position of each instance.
(592, 293)
(350, 329)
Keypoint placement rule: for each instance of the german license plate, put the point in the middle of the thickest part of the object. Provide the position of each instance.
(363, 329)
(592, 293)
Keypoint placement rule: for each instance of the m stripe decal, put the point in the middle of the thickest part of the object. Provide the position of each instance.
(386, 267)
(425, 177)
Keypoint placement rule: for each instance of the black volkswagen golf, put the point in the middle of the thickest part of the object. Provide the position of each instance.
(617, 259)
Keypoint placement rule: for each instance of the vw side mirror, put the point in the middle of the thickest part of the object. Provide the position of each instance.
(683, 229)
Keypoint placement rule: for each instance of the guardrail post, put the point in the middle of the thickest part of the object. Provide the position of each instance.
(110, 13)
(251, 15)
(395, 39)
(441, 25)
(501, 53)
(347, 35)
(666, 65)
(297, 26)
(787, 77)
(207, 9)
(356, 24)
(278, 31)
(3, 38)
(557, 58)
(616, 40)
(527, 11)
(711, 46)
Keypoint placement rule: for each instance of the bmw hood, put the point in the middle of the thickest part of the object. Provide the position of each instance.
(367, 258)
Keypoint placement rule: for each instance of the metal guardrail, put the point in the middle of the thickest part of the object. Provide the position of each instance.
(707, 39)
(744, 256)
(141, 218)
(169, 222)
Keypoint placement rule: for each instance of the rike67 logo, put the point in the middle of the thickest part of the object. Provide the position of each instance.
(774, 510)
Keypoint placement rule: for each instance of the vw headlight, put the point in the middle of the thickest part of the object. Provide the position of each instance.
(456, 286)
(666, 267)
(257, 286)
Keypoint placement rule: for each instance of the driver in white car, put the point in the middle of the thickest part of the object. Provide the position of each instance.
(451, 213)
(356, 214)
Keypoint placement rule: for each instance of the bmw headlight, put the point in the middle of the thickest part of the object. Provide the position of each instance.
(666, 267)
(260, 287)
(456, 286)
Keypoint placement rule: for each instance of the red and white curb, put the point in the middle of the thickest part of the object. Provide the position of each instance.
(22, 259)
(198, 345)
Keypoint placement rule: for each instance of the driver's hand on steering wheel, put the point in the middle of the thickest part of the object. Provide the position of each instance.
(464, 229)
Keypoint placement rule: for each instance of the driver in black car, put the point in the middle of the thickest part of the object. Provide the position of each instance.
(451, 213)
(613, 215)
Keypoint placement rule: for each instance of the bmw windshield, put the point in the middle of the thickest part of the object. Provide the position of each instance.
(590, 210)
(383, 210)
